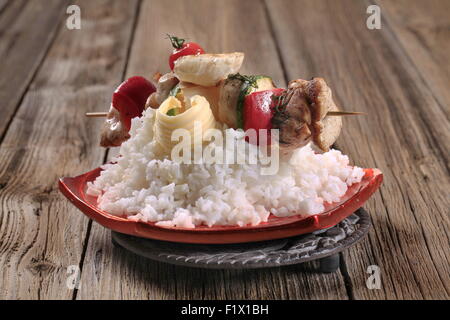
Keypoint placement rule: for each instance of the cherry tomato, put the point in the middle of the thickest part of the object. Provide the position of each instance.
(183, 49)
(259, 109)
(130, 98)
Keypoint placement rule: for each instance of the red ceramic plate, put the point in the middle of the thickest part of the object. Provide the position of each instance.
(275, 228)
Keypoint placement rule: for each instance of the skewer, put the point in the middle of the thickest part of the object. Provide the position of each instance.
(96, 114)
(344, 113)
(330, 113)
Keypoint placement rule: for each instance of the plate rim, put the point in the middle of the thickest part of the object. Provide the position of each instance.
(284, 227)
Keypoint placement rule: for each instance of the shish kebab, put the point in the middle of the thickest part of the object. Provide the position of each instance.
(304, 112)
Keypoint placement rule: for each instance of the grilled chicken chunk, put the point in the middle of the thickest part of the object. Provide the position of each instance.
(228, 101)
(113, 130)
(293, 118)
(301, 116)
(330, 131)
(165, 83)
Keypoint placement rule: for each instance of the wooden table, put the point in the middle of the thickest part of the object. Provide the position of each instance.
(50, 76)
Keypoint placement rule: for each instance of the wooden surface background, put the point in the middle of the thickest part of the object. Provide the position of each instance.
(50, 76)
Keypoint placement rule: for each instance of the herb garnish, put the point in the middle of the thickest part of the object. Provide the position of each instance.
(177, 43)
(175, 90)
(252, 81)
(172, 112)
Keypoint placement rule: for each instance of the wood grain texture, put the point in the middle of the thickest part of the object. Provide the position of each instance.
(423, 29)
(51, 76)
(406, 135)
(27, 29)
(4, 4)
(113, 273)
(41, 232)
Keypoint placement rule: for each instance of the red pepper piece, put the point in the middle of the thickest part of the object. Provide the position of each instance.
(126, 107)
(130, 98)
(259, 109)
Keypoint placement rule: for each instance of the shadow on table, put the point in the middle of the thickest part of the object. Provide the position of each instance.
(166, 281)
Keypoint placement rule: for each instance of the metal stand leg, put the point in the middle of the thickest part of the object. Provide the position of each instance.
(329, 264)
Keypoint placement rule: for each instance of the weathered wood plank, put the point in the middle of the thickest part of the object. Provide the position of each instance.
(423, 29)
(405, 135)
(41, 232)
(112, 273)
(27, 29)
(3, 4)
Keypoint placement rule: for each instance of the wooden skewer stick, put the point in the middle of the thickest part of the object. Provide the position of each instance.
(330, 113)
(344, 113)
(96, 114)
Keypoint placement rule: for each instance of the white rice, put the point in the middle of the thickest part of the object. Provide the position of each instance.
(145, 186)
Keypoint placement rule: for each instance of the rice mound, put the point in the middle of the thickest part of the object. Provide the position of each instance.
(144, 185)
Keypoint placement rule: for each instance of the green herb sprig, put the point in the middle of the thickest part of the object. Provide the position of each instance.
(252, 81)
(177, 43)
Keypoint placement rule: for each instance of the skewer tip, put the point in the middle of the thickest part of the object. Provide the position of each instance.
(345, 113)
(96, 114)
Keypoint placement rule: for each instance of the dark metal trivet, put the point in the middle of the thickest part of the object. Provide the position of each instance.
(324, 245)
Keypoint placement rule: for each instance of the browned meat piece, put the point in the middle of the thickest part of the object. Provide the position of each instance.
(228, 101)
(113, 130)
(165, 83)
(293, 117)
(301, 115)
(330, 131)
